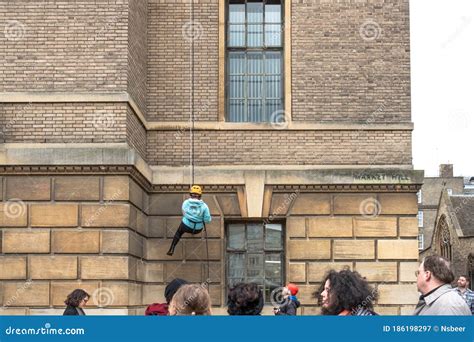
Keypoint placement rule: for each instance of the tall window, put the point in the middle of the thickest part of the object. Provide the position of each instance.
(421, 240)
(254, 61)
(444, 239)
(255, 255)
(419, 196)
(420, 219)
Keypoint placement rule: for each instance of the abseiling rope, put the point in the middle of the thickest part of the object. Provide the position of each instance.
(191, 128)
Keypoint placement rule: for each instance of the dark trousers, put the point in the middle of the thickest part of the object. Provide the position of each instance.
(179, 233)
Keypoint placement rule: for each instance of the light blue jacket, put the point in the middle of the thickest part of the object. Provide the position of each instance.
(195, 212)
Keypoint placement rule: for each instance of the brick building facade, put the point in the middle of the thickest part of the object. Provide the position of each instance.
(95, 105)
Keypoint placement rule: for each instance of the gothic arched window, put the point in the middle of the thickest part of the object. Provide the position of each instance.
(444, 239)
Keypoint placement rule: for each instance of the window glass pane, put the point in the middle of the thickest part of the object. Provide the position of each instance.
(272, 13)
(237, 110)
(273, 236)
(255, 63)
(254, 237)
(273, 87)
(273, 63)
(270, 285)
(255, 84)
(273, 35)
(236, 35)
(236, 237)
(236, 87)
(274, 111)
(236, 268)
(255, 12)
(255, 112)
(236, 63)
(273, 266)
(255, 273)
(237, 13)
(254, 35)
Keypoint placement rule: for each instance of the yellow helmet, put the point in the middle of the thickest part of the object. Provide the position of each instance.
(196, 189)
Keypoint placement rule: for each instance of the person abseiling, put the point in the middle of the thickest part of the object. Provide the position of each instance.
(195, 215)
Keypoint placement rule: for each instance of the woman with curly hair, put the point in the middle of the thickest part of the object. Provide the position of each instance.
(245, 299)
(346, 293)
(191, 299)
(75, 302)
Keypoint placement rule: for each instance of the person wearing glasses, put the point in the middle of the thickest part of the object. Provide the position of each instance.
(433, 279)
(75, 302)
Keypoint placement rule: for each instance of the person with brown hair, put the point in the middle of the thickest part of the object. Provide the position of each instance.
(75, 302)
(346, 293)
(433, 279)
(191, 299)
(245, 299)
(465, 292)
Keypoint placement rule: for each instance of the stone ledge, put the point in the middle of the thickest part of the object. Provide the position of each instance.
(120, 158)
(124, 97)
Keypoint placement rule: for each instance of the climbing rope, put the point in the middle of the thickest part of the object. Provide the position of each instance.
(191, 130)
(191, 133)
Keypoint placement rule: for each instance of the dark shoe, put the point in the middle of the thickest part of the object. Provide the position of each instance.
(170, 252)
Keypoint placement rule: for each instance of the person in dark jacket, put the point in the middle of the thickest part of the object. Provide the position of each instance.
(290, 303)
(75, 303)
(162, 309)
(245, 300)
(195, 214)
(346, 293)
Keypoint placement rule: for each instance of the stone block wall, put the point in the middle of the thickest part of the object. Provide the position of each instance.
(109, 235)
(332, 231)
(59, 233)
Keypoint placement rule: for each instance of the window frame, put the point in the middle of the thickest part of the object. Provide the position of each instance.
(421, 240)
(265, 251)
(245, 50)
(420, 217)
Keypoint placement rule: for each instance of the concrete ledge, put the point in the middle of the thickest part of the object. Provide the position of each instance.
(296, 126)
(73, 154)
(13, 154)
(291, 174)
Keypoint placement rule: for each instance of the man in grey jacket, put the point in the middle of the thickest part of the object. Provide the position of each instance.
(434, 278)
